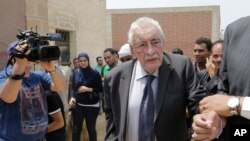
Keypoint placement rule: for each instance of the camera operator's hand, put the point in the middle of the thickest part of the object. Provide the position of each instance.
(58, 80)
(48, 65)
(21, 66)
(21, 63)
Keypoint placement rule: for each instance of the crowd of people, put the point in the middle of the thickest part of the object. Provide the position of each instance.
(146, 93)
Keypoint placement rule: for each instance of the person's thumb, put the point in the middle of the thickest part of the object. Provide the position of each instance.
(215, 122)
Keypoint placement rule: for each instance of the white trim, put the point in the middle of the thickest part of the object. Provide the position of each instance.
(58, 110)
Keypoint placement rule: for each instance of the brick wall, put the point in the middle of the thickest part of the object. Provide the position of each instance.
(181, 28)
(181, 25)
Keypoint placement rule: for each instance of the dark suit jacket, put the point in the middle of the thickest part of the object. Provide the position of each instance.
(235, 67)
(177, 86)
(211, 84)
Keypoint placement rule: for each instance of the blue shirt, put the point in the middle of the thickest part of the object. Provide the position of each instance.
(99, 69)
(26, 119)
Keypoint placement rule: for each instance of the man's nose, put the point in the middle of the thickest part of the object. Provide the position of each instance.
(196, 53)
(150, 48)
(219, 58)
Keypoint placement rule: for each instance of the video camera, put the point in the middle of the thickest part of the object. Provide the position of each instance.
(39, 46)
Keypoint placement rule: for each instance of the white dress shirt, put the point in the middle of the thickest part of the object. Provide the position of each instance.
(245, 110)
(138, 82)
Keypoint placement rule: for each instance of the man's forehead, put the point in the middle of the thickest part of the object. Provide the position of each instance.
(200, 46)
(143, 31)
(152, 37)
(108, 53)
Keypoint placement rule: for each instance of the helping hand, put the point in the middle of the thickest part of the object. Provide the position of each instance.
(207, 126)
(217, 103)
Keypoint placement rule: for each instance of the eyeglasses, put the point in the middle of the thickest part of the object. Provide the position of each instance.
(144, 46)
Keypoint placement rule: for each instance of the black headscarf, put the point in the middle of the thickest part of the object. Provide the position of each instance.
(83, 76)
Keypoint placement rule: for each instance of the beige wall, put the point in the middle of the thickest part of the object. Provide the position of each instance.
(85, 20)
(37, 16)
(12, 15)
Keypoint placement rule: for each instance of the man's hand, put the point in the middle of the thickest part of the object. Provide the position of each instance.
(207, 126)
(211, 68)
(72, 102)
(23, 48)
(20, 64)
(217, 103)
(47, 65)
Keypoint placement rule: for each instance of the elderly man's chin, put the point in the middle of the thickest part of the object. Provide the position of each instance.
(152, 67)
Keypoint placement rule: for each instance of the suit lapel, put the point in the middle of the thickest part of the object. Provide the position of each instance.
(124, 95)
(164, 72)
(125, 80)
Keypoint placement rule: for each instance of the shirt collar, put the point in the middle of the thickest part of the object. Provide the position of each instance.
(141, 73)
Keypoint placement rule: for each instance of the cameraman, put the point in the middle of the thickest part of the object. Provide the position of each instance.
(23, 111)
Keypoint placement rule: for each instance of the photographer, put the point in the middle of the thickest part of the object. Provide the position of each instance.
(23, 111)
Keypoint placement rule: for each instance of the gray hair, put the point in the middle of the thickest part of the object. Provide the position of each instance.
(139, 23)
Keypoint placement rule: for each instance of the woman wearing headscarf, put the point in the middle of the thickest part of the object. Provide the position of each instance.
(86, 84)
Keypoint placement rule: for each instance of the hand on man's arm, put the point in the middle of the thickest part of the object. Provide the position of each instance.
(207, 126)
(219, 104)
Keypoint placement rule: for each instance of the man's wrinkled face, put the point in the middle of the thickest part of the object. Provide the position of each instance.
(148, 47)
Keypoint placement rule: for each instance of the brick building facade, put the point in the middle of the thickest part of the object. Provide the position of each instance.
(182, 26)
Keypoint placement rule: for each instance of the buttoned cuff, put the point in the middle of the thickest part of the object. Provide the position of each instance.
(245, 110)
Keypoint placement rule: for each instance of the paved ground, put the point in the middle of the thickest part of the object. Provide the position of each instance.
(100, 127)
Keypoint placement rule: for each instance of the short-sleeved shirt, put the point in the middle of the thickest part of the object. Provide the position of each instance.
(55, 105)
(105, 70)
(26, 119)
(99, 69)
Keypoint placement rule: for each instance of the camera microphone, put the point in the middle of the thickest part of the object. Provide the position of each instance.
(54, 36)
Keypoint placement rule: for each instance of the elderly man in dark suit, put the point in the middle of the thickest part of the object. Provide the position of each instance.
(234, 104)
(172, 88)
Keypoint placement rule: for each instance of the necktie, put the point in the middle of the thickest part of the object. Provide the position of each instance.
(146, 114)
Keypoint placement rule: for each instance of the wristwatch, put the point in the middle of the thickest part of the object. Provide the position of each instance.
(16, 76)
(233, 104)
